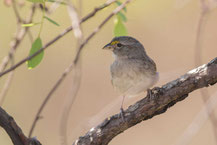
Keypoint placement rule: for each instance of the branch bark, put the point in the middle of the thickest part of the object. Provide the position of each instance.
(162, 98)
(13, 130)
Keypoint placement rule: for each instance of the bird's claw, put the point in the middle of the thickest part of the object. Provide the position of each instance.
(152, 94)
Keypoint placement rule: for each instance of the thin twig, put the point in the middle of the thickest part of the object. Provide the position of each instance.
(14, 5)
(76, 74)
(76, 71)
(11, 57)
(68, 69)
(73, 64)
(91, 14)
(37, 117)
(76, 79)
(21, 32)
(16, 42)
(6, 87)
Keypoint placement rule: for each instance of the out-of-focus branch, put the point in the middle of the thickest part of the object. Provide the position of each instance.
(30, 36)
(7, 83)
(75, 21)
(6, 87)
(73, 65)
(91, 14)
(200, 32)
(21, 32)
(148, 107)
(208, 110)
(13, 130)
(76, 74)
(14, 5)
(205, 11)
(198, 121)
(15, 43)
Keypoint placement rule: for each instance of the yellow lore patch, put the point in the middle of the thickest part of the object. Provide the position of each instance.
(114, 42)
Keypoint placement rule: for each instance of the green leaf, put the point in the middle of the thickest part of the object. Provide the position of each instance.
(52, 21)
(119, 28)
(36, 1)
(123, 17)
(120, 3)
(30, 24)
(54, 1)
(32, 63)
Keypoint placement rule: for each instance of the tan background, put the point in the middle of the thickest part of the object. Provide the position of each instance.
(168, 33)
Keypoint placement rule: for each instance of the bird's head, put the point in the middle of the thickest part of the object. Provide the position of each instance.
(125, 46)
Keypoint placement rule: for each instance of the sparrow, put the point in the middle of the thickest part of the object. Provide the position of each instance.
(132, 71)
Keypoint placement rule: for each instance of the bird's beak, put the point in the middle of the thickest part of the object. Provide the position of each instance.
(108, 47)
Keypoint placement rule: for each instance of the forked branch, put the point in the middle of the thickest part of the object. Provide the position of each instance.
(13, 130)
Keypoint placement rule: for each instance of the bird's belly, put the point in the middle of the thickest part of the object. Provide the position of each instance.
(133, 84)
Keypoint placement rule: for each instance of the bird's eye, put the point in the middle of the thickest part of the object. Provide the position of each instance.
(119, 45)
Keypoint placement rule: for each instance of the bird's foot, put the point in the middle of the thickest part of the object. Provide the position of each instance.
(152, 94)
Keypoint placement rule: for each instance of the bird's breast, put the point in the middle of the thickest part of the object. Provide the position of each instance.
(131, 76)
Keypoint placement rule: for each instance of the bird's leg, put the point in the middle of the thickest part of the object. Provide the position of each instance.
(121, 109)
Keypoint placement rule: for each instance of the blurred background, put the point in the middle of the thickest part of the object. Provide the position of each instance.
(167, 29)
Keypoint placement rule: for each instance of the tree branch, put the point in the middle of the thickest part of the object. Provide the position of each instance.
(13, 130)
(74, 64)
(17, 40)
(88, 16)
(161, 99)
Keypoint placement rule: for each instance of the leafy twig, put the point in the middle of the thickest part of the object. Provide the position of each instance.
(21, 32)
(91, 14)
(73, 64)
(16, 42)
(68, 69)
